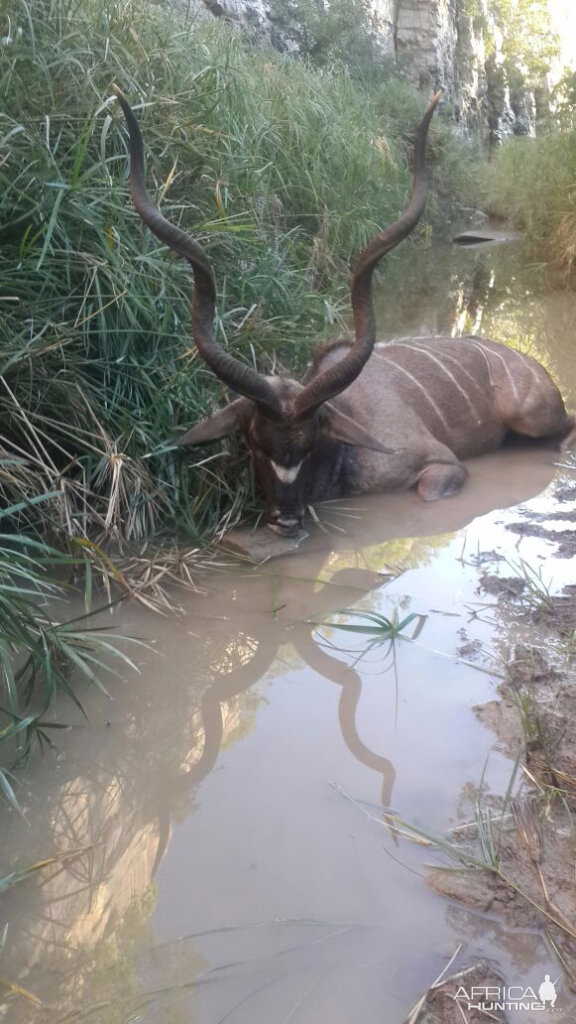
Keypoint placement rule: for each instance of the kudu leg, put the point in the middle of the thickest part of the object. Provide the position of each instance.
(441, 480)
(547, 419)
(527, 400)
(569, 441)
(442, 474)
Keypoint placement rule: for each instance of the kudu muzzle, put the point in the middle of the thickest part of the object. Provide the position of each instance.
(285, 523)
(284, 503)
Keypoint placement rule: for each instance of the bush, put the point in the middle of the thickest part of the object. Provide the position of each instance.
(531, 184)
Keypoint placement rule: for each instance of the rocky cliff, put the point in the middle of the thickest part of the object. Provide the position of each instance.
(450, 44)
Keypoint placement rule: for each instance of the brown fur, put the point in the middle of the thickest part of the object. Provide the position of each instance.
(418, 408)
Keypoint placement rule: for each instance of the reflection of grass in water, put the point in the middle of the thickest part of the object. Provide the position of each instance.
(242, 711)
(379, 628)
(16, 877)
(397, 554)
(40, 657)
(487, 856)
(11, 987)
(110, 978)
(111, 964)
(175, 970)
(522, 819)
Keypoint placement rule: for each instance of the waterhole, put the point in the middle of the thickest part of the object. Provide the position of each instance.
(229, 808)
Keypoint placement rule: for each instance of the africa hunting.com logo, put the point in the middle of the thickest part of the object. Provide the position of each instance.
(510, 997)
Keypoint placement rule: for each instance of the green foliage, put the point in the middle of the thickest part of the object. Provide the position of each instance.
(530, 183)
(564, 101)
(530, 45)
(340, 32)
(473, 8)
(379, 628)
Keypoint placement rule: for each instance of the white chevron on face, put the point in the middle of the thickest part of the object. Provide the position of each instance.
(287, 474)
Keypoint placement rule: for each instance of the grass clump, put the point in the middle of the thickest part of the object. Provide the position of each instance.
(515, 192)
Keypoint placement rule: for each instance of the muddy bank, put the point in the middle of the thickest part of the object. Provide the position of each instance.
(464, 996)
(525, 838)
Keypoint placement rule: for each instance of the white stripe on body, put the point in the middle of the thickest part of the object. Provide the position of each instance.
(534, 369)
(407, 342)
(438, 362)
(455, 360)
(422, 389)
(478, 344)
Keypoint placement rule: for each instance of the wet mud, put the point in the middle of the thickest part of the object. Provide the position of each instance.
(220, 836)
(530, 884)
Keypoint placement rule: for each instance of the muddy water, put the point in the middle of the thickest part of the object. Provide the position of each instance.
(230, 801)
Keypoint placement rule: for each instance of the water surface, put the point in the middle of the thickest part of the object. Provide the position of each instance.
(231, 800)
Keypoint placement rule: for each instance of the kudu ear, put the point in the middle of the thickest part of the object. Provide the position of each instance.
(222, 423)
(341, 427)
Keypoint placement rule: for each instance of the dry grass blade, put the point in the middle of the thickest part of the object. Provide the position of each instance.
(567, 967)
(526, 819)
(450, 1010)
(484, 860)
(155, 577)
(525, 815)
(15, 877)
(17, 990)
(561, 778)
(415, 1012)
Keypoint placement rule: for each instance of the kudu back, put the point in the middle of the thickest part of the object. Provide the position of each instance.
(367, 417)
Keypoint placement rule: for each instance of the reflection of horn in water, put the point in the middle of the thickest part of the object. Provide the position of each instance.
(239, 680)
(225, 688)
(338, 672)
(343, 587)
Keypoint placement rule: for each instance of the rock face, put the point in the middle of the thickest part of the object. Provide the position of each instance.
(436, 44)
(425, 41)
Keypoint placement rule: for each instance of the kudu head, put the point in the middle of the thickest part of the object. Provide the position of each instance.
(282, 421)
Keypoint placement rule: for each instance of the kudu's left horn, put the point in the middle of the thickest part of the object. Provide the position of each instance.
(236, 375)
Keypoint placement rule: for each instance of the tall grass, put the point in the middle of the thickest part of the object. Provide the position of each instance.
(531, 183)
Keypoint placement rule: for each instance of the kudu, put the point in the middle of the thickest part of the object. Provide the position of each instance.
(406, 419)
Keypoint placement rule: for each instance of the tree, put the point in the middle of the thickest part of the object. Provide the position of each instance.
(339, 32)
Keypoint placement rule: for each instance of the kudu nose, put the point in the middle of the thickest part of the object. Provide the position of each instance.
(286, 524)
